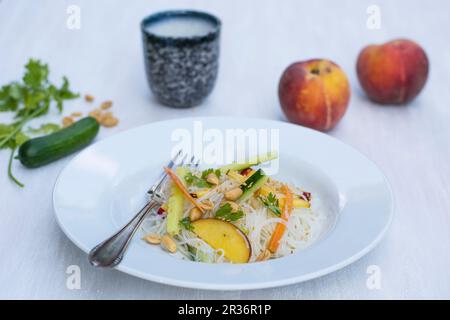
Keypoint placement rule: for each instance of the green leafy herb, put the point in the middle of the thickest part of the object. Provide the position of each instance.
(225, 212)
(30, 99)
(186, 223)
(201, 182)
(206, 172)
(10, 174)
(46, 128)
(271, 202)
(192, 179)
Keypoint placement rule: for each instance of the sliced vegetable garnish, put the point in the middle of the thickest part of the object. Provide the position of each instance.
(175, 205)
(252, 184)
(252, 162)
(281, 227)
(182, 188)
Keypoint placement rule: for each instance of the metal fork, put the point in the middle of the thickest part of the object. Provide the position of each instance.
(110, 252)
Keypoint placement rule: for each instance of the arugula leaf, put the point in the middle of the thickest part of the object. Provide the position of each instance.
(226, 213)
(271, 202)
(186, 224)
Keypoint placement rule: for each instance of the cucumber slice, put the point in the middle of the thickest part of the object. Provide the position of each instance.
(252, 162)
(252, 184)
(199, 256)
(175, 205)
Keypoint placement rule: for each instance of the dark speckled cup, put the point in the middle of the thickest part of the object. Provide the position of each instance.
(181, 70)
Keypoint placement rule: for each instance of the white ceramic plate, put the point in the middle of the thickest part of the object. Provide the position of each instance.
(104, 185)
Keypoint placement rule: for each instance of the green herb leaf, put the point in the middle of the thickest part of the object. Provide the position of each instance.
(186, 224)
(210, 170)
(225, 213)
(16, 140)
(192, 179)
(271, 202)
(36, 74)
(46, 128)
(31, 98)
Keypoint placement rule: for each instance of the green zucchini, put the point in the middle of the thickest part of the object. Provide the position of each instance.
(253, 183)
(42, 150)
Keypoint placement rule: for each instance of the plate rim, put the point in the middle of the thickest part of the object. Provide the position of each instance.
(248, 286)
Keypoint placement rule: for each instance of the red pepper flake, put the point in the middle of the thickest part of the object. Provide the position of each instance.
(246, 171)
(161, 211)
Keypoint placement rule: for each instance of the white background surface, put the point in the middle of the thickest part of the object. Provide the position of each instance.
(259, 39)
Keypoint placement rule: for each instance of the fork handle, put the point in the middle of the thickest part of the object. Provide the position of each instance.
(110, 252)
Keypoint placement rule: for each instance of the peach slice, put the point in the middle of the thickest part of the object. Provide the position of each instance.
(224, 235)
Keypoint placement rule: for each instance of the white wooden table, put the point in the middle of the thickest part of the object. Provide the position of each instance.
(260, 38)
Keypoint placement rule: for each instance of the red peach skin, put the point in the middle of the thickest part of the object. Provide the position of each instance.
(314, 93)
(393, 73)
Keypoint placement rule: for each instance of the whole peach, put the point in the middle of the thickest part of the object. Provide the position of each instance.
(394, 72)
(314, 93)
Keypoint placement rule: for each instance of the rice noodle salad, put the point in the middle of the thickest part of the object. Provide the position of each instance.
(232, 214)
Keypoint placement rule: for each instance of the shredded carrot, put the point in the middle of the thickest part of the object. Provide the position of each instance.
(281, 227)
(182, 188)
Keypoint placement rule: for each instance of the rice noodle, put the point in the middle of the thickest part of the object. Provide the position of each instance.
(302, 228)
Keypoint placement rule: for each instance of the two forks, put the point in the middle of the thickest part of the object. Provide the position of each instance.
(110, 252)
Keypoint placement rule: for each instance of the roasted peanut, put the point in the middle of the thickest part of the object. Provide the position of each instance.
(67, 121)
(152, 238)
(207, 205)
(109, 122)
(88, 98)
(233, 194)
(168, 244)
(264, 255)
(234, 206)
(212, 178)
(195, 214)
(106, 105)
(96, 114)
(76, 114)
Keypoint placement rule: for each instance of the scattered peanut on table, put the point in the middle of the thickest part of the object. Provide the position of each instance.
(67, 121)
(89, 98)
(103, 117)
(106, 105)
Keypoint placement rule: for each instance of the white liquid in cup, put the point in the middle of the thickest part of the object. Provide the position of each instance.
(180, 27)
